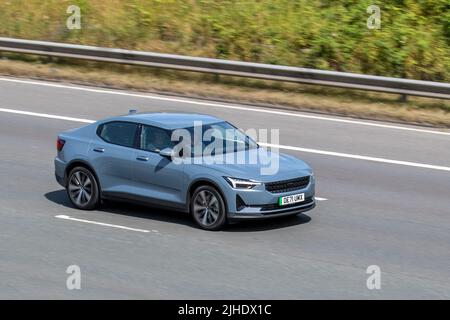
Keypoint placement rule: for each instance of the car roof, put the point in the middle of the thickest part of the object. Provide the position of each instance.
(168, 120)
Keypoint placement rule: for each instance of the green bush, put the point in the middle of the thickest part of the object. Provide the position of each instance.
(413, 42)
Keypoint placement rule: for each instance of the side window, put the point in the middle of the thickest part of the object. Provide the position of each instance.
(121, 133)
(155, 139)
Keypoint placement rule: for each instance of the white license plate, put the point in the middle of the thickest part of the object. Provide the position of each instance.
(282, 201)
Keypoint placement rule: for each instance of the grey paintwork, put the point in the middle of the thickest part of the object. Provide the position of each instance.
(160, 181)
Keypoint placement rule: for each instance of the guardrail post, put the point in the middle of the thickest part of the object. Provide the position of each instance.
(403, 98)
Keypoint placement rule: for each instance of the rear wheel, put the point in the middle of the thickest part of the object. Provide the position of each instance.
(82, 189)
(208, 208)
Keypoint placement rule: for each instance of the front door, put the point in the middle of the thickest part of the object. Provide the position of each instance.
(156, 177)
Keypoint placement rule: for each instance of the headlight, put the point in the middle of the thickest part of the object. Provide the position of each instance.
(242, 183)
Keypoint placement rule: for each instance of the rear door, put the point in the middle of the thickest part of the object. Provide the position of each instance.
(156, 177)
(112, 153)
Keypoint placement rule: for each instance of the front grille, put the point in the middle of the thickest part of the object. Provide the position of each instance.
(275, 206)
(287, 185)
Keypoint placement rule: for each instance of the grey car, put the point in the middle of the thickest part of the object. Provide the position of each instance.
(136, 158)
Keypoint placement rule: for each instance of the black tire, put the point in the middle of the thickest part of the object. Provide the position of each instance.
(215, 215)
(82, 189)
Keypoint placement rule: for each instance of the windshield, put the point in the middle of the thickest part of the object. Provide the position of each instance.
(212, 139)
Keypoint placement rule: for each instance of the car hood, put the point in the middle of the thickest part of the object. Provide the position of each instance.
(266, 166)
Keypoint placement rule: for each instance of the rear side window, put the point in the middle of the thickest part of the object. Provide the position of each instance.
(155, 139)
(121, 133)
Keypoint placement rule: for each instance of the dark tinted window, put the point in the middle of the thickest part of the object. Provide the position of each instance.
(121, 133)
(155, 139)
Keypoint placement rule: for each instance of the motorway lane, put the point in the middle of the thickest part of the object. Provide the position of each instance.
(394, 216)
(308, 133)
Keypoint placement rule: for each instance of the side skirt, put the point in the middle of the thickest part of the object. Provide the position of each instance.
(151, 202)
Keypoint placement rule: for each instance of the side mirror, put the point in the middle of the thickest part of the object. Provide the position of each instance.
(167, 153)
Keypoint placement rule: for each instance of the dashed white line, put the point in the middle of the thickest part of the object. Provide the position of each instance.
(226, 106)
(308, 150)
(64, 217)
(320, 199)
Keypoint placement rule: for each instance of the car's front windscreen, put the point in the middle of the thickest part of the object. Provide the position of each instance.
(212, 139)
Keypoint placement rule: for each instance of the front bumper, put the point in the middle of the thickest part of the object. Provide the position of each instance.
(275, 213)
(259, 203)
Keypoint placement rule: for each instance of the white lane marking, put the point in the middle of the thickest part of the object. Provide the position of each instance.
(64, 217)
(226, 106)
(323, 152)
(359, 157)
(45, 115)
(320, 199)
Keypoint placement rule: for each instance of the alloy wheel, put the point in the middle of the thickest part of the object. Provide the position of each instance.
(80, 188)
(206, 208)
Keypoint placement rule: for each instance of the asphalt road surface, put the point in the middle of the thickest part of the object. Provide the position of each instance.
(387, 191)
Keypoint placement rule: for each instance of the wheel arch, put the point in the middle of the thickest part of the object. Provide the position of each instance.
(201, 182)
(81, 163)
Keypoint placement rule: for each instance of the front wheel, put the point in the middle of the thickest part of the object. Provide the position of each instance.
(82, 189)
(208, 208)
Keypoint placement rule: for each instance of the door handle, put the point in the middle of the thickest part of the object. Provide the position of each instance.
(101, 150)
(142, 158)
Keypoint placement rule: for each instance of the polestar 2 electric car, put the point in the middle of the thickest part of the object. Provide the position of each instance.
(135, 158)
